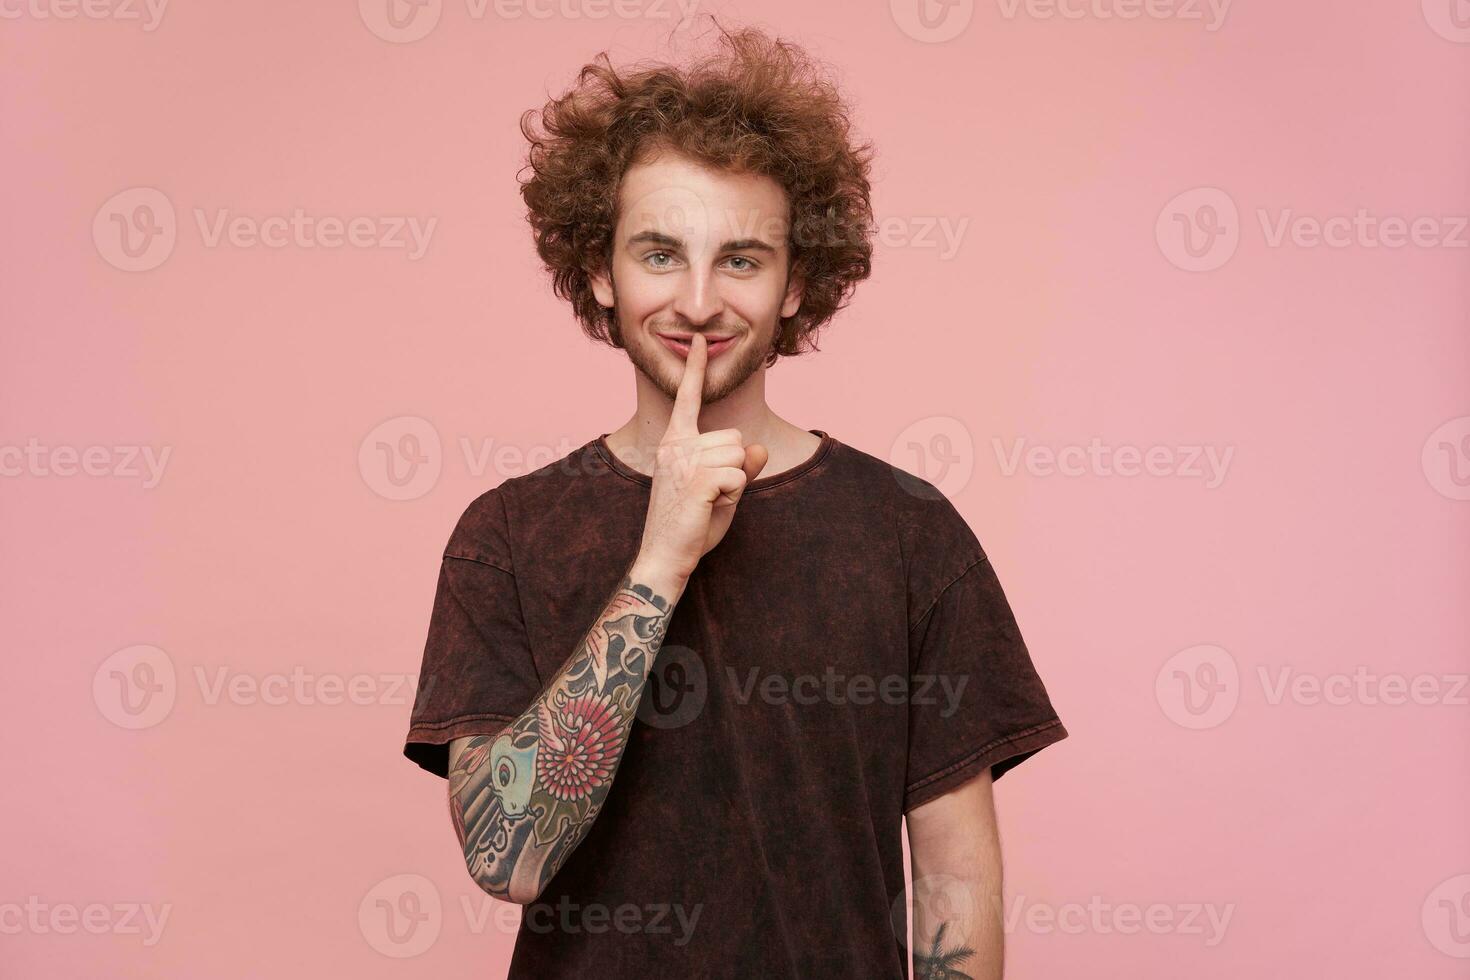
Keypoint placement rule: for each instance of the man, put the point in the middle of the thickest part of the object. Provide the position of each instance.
(688, 680)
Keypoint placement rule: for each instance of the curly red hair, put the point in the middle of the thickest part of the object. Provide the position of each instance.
(758, 105)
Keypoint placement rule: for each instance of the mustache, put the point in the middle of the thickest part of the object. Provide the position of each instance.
(723, 329)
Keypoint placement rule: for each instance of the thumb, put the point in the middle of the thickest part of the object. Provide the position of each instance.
(756, 457)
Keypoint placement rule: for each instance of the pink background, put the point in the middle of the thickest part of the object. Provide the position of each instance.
(1331, 834)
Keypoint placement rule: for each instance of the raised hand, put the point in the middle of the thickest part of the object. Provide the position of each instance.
(698, 477)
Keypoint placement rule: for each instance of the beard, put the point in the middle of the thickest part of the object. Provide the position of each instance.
(664, 368)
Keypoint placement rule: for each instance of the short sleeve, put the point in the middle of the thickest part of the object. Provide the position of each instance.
(477, 673)
(986, 704)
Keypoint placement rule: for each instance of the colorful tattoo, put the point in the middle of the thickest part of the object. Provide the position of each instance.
(523, 799)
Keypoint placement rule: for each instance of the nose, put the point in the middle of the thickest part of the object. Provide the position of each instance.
(698, 299)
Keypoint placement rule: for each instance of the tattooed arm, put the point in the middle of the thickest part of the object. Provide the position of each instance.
(954, 851)
(523, 799)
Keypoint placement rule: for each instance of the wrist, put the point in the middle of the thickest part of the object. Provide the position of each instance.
(660, 576)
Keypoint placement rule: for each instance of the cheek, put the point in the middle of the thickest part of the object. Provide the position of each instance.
(755, 301)
(641, 295)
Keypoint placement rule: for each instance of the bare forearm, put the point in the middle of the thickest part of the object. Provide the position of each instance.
(958, 929)
(523, 799)
(954, 844)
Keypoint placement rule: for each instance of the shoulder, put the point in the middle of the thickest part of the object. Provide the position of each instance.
(481, 533)
(936, 541)
(927, 522)
(484, 528)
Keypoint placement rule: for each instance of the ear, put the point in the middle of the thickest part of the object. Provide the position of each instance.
(602, 287)
(792, 302)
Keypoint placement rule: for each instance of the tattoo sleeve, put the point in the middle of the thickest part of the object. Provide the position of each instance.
(523, 799)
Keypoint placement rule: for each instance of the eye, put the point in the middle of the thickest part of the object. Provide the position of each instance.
(654, 255)
(749, 266)
(503, 774)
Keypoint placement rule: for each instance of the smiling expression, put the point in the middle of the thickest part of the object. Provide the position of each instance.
(698, 250)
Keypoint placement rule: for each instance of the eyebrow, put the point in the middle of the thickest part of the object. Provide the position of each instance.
(732, 245)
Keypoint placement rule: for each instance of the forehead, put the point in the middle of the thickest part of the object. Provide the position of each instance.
(700, 204)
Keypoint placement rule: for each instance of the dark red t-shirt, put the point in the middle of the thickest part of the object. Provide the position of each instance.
(845, 654)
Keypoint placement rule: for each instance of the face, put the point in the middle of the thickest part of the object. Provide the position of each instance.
(698, 250)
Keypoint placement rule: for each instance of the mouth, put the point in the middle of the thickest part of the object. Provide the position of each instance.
(679, 344)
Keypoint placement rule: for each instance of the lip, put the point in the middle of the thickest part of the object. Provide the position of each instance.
(680, 345)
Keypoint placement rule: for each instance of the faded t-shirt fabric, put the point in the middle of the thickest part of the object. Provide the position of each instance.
(843, 655)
